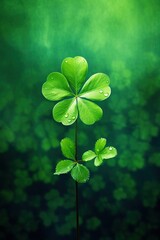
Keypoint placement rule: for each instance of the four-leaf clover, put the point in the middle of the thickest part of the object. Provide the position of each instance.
(76, 97)
(100, 152)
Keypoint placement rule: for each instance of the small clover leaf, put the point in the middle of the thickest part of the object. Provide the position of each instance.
(100, 144)
(109, 152)
(80, 173)
(88, 155)
(101, 152)
(98, 160)
(76, 98)
(64, 166)
(68, 148)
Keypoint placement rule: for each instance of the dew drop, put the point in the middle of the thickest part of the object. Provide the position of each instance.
(66, 115)
(100, 91)
(110, 148)
(69, 120)
(73, 117)
(66, 61)
(106, 94)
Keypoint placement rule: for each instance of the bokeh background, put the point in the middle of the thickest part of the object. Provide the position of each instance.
(120, 38)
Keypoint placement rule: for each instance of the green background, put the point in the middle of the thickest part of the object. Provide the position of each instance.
(120, 38)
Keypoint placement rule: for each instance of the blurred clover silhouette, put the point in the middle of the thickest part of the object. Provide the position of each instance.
(75, 95)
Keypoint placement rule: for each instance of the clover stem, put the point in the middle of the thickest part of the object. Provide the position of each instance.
(76, 141)
(76, 183)
(77, 213)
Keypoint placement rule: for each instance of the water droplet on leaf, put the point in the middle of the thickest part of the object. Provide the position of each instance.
(110, 148)
(106, 94)
(73, 117)
(69, 120)
(66, 115)
(100, 91)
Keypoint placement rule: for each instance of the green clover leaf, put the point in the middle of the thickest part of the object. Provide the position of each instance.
(100, 152)
(68, 148)
(64, 166)
(76, 96)
(78, 172)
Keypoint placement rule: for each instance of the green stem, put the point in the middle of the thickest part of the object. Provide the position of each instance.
(77, 213)
(76, 183)
(76, 141)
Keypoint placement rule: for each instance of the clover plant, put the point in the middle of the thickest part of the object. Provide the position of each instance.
(77, 98)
